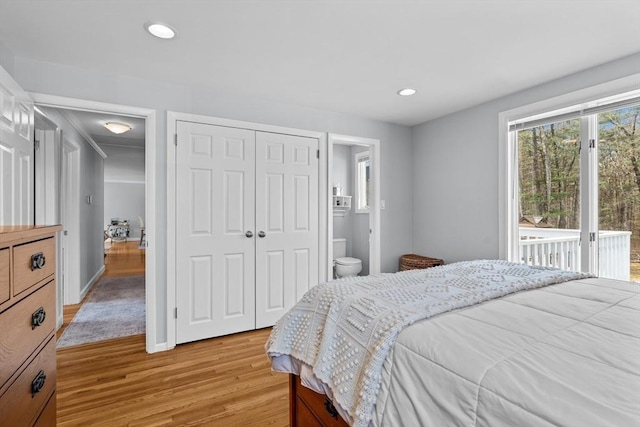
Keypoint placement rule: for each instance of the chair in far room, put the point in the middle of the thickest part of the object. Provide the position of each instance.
(142, 233)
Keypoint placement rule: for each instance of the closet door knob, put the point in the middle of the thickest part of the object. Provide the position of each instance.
(261, 234)
(248, 234)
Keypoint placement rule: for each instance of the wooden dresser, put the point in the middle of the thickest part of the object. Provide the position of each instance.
(27, 325)
(310, 409)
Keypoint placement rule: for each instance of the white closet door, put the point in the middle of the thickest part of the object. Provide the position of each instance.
(215, 266)
(16, 153)
(287, 214)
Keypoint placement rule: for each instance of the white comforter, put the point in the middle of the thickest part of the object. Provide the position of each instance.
(436, 362)
(563, 355)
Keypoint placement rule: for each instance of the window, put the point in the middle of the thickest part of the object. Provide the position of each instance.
(576, 181)
(363, 179)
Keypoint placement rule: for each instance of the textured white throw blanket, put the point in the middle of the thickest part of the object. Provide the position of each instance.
(344, 329)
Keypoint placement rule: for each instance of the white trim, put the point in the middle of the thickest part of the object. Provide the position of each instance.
(159, 347)
(56, 101)
(324, 204)
(87, 287)
(113, 181)
(172, 118)
(75, 123)
(505, 148)
(172, 133)
(150, 192)
(374, 209)
(133, 147)
(356, 182)
(11, 84)
(260, 127)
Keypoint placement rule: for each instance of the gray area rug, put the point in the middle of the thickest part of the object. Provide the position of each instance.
(115, 308)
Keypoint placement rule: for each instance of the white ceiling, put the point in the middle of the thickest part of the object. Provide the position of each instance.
(93, 124)
(348, 56)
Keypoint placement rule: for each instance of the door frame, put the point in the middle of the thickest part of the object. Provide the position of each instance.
(69, 217)
(507, 153)
(153, 257)
(374, 209)
(172, 118)
(46, 162)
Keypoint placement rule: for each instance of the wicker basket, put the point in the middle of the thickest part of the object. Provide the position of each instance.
(414, 262)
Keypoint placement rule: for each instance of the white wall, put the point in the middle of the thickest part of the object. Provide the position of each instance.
(124, 186)
(123, 164)
(455, 168)
(7, 59)
(90, 215)
(125, 201)
(396, 147)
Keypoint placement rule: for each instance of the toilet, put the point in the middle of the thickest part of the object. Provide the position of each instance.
(345, 266)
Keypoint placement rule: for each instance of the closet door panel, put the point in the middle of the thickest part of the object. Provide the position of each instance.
(287, 213)
(215, 266)
(274, 280)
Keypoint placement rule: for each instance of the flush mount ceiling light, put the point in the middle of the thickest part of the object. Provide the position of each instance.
(117, 128)
(407, 92)
(159, 30)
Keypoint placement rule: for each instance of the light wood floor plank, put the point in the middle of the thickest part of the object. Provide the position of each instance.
(219, 382)
(225, 381)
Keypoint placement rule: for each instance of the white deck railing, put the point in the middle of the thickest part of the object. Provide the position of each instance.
(553, 247)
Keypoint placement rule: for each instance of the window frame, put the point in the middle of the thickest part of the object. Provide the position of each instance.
(508, 173)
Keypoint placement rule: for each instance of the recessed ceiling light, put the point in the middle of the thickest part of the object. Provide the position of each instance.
(160, 30)
(407, 92)
(117, 128)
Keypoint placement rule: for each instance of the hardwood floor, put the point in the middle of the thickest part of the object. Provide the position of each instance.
(124, 259)
(225, 381)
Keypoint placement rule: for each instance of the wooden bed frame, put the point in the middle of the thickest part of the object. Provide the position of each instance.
(310, 409)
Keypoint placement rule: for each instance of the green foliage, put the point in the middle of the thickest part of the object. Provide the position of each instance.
(549, 172)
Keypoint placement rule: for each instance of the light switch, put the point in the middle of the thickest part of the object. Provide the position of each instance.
(382, 204)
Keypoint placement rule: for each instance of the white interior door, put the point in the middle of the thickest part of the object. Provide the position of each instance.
(16, 153)
(215, 243)
(286, 222)
(69, 285)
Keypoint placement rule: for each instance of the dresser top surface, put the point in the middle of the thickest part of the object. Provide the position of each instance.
(10, 233)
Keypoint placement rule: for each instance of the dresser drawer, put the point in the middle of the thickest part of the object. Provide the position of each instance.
(25, 274)
(48, 416)
(19, 335)
(20, 405)
(4, 275)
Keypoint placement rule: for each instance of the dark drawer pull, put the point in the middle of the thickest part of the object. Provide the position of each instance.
(37, 261)
(328, 405)
(38, 383)
(37, 318)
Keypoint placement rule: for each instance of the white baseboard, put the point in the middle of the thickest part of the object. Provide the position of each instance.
(86, 288)
(154, 348)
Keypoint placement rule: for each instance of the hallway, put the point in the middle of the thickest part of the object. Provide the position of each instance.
(121, 259)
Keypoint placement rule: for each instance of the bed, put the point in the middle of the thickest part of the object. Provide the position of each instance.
(501, 344)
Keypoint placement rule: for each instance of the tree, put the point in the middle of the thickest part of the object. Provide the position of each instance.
(549, 162)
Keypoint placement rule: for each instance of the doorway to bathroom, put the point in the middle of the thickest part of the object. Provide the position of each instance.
(354, 205)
